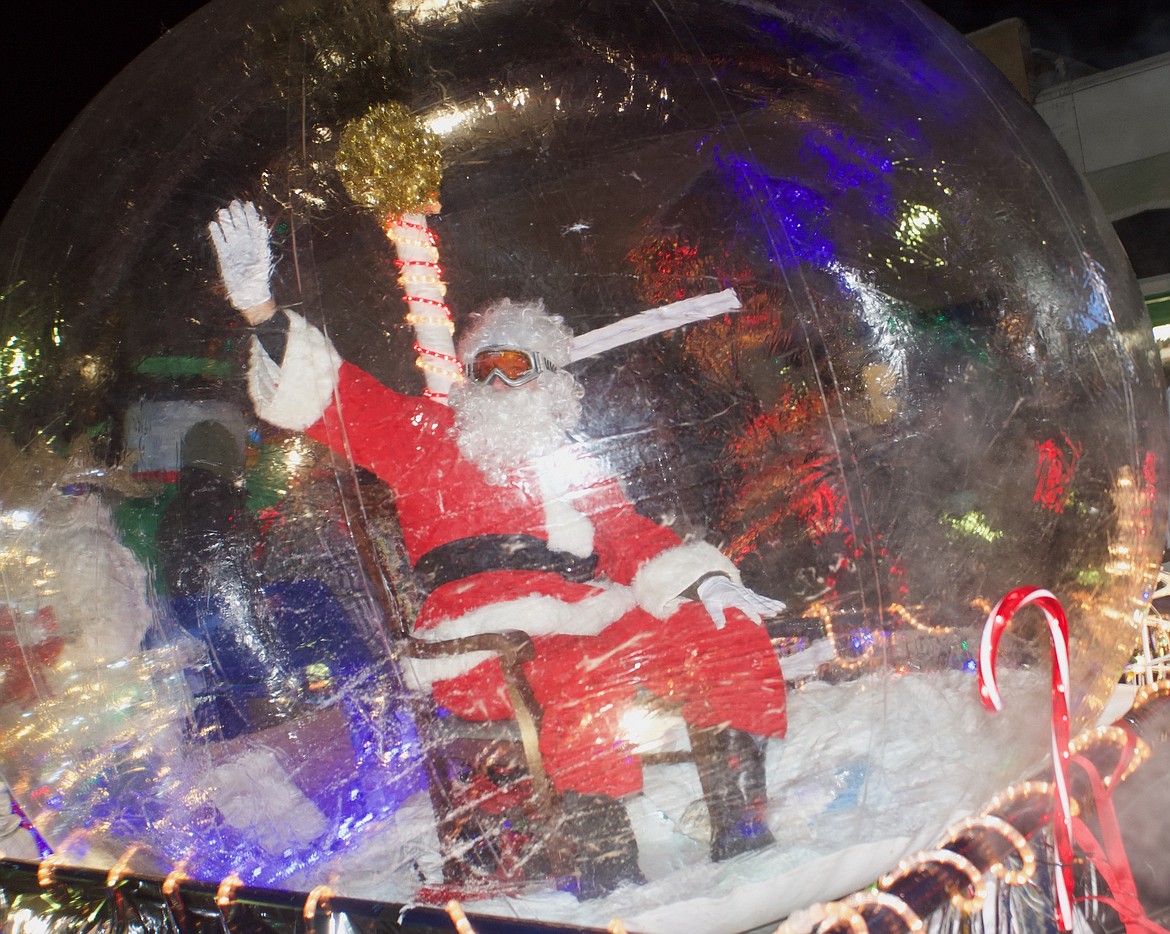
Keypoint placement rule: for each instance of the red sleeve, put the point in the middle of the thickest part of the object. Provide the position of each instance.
(623, 538)
(378, 428)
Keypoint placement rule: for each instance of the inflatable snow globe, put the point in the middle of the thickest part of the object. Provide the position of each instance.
(558, 454)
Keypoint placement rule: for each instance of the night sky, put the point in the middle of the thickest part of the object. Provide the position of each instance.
(58, 56)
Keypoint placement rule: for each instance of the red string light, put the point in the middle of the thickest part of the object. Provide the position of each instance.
(446, 358)
(418, 299)
(422, 228)
(402, 263)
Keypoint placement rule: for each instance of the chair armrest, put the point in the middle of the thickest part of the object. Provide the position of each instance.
(512, 645)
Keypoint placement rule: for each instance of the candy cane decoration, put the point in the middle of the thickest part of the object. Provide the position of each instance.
(391, 164)
(420, 277)
(1062, 827)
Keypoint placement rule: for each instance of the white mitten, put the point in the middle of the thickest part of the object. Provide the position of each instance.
(720, 594)
(241, 240)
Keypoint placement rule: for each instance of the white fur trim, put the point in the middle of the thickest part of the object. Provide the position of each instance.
(421, 673)
(539, 615)
(536, 615)
(568, 530)
(660, 580)
(296, 392)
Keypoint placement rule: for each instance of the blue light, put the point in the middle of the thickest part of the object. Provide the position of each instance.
(797, 209)
(839, 176)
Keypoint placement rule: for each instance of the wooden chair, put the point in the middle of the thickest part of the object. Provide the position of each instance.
(446, 749)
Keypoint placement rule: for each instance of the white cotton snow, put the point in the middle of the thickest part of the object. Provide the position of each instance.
(871, 771)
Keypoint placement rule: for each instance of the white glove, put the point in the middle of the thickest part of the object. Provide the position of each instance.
(720, 594)
(241, 240)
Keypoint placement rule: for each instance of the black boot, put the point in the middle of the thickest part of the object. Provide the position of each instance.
(598, 830)
(731, 772)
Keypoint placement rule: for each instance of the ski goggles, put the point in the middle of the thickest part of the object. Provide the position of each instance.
(513, 367)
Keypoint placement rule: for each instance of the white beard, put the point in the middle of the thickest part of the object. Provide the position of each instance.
(499, 430)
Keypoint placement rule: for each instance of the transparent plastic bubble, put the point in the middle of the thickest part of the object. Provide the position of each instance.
(912, 373)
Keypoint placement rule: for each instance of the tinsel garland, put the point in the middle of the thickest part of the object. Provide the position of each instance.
(388, 162)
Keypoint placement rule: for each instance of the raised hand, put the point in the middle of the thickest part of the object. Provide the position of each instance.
(244, 252)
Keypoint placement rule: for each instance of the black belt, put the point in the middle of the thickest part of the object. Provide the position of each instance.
(465, 557)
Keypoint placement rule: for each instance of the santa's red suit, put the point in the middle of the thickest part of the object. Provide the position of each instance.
(609, 622)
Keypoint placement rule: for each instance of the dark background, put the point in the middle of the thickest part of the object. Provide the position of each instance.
(59, 55)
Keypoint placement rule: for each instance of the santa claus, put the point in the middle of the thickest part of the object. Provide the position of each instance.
(510, 526)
